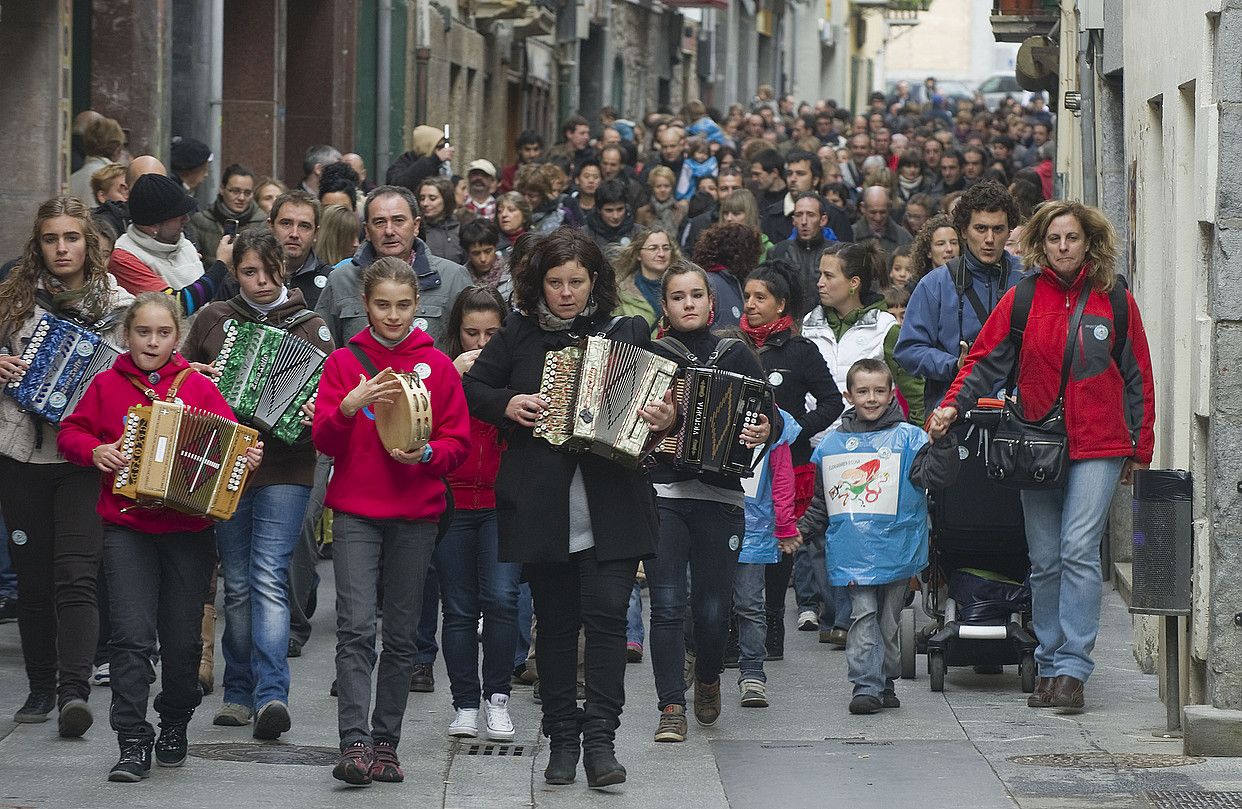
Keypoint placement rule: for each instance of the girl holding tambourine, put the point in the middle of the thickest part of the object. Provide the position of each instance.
(387, 506)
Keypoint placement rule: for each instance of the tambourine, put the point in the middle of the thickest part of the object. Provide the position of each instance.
(405, 423)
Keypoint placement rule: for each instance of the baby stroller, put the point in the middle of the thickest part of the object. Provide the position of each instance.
(976, 589)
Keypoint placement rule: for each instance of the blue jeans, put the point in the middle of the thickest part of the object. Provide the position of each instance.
(525, 615)
(8, 576)
(1063, 528)
(474, 582)
(634, 617)
(871, 652)
(255, 548)
(705, 536)
(811, 587)
(752, 622)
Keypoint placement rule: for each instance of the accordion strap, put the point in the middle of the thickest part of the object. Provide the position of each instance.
(104, 324)
(679, 348)
(150, 393)
(297, 318)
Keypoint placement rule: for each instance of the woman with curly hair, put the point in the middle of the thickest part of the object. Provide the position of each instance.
(640, 265)
(55, 535)
(934, 246)
(728, 251)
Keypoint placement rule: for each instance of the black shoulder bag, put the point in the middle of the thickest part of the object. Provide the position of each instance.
(1034, 454)
(450, 508)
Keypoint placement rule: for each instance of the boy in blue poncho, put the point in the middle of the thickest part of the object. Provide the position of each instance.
(871, 499)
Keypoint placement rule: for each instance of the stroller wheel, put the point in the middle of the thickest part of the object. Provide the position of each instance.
(905, 637)
(1027, 670)
(936, 670)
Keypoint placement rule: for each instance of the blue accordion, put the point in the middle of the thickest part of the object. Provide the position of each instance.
(64, 357)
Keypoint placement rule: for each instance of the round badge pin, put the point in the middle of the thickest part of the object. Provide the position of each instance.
(1101, 332)
(735, 542)
(420, 323)
(422, 370)
(962, 452)
(885, 452)
(321, 281)
(324, 334)
(58, 400)
(737, 312)
(85, 349)
(851, 444)
(19, 537)
(776, 378)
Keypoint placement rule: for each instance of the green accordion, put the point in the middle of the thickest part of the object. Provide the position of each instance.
(266, 375)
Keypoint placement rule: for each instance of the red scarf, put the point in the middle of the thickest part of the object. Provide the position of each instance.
(760, 334)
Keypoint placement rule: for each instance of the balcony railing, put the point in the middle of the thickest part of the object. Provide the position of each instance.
(1015, 20)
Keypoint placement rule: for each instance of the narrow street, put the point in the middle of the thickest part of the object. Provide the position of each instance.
(969, 747)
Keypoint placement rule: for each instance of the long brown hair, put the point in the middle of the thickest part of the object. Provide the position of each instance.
(17, 292)
(1096, 229)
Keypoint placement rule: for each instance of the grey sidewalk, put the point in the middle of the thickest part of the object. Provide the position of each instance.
(953, 748)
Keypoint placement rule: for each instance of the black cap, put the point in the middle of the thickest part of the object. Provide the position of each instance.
(155, 198)
(188, 153)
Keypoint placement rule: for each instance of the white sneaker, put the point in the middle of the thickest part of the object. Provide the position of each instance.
(465, 724)
(808, 621)
(102, 674)
(499, 725)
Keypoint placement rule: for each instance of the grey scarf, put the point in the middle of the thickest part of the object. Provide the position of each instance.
(550, 322)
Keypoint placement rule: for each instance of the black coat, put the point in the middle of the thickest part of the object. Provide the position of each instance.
(795, 368)
(532, 487)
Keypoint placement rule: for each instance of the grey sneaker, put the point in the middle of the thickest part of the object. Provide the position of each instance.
(232, 715)
(672, 727)
(272, 720)
(754, 693)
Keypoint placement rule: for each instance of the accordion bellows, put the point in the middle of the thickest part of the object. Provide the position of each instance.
(185, 459)
(594, 393)
(63, 358)
(266, 375)
(716, 406)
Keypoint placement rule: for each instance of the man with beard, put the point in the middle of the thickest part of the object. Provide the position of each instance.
(481, 179)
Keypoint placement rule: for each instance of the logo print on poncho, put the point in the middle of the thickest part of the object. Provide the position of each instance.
(859, 485)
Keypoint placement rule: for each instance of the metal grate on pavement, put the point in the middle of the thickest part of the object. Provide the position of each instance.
(1195, 800)
(493, 750)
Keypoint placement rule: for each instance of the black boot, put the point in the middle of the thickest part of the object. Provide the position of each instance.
(776, 636)
(135, 761)
(598, 758)
(171, 746)
(563, 749)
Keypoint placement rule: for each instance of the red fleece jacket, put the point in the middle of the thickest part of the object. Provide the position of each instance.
(1109, 410)
(474, 482)
(366, 481)
(100, 419)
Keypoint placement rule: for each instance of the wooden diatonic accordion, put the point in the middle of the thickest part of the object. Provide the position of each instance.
(266, 375)
(594, 393)
(716, 406)
(184, 459)
(63, 358)
(405, 423)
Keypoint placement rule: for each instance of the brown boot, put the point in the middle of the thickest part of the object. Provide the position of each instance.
(1041, 698)
(706, 702)
(1066, 694)
(206, 664)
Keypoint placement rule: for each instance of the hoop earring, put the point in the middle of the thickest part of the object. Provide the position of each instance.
(711, 314)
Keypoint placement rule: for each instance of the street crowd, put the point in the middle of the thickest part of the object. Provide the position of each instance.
(868, 267)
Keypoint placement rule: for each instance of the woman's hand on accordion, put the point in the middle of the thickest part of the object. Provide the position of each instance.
(109, 457)
(254, 456)
(659, 415)
(11, 368)
(755, 434)
(308, 412)
(525, 408)
(382, 387)
(206, 369)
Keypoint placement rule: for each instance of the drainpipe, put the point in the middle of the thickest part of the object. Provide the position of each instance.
(1086, 89)
(383, 87)
(422, 59)
(215, 92)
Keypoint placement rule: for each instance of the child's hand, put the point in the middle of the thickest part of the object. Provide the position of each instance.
(790, 544)
(254, 456)
(109, 457)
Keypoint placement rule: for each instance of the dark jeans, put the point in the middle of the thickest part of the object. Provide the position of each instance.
(525, 612)
(473, 583)
(425, 648)
(775, 583)
(55, 540)
(302, 581)
(156, 588)
(582, 593)
(8, 579)
(363, 550)
(706, 536)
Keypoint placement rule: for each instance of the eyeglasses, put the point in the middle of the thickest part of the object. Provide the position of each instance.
(663, 248)
(239, 192)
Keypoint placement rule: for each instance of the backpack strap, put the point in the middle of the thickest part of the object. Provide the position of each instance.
(966, 290)
(362, 358)
(610, 325)
(676, 346)
(1023, 296)
(1120, 302)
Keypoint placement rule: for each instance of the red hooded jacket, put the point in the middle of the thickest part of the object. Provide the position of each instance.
(366, 481)
(1109, 410)
(100, 419)
(474, 482)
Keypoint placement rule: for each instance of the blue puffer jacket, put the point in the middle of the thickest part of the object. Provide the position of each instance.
(928, 345)
(760, 546)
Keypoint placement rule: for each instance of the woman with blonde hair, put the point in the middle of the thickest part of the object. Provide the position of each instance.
(741, 207)
(338, 234)
(1083, 353)
(662, 210)
(266, 192)
(639, 266)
